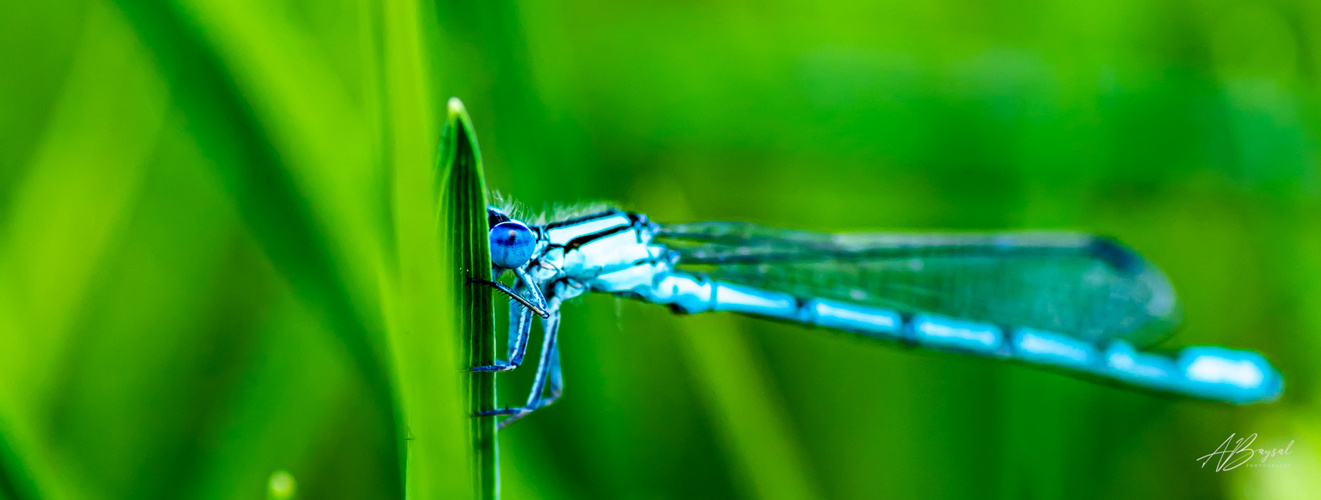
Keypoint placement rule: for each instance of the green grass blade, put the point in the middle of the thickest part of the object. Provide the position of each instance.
(462, 190)
(442, 325)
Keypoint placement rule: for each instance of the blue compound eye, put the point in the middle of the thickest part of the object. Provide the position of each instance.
(511, 244)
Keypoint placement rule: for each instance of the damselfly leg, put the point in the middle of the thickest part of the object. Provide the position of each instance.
(549, 377)
(538, 307)
(526, 280)
(520, 328)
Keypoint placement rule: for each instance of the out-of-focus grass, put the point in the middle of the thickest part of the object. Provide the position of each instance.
(16, 480)
(738, 395)
(211, 244)
(281, 486)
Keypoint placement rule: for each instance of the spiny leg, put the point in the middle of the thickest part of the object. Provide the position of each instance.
(527, 281)
(548, 376)
(520, 328)
(554, 386)
(534, 307)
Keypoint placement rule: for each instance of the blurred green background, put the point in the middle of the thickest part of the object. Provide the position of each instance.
(201, 239)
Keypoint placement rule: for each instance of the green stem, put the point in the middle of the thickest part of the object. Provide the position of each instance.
(465, 203)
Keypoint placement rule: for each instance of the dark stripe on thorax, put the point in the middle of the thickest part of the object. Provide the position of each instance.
(578, 242)
(579, 220)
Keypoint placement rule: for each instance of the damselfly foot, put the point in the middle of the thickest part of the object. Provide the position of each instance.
(501, 411)
(499, 366)
(518, 412)
(549, 382)
(513, 413)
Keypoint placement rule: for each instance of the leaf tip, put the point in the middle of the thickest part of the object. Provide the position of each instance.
(455, 107)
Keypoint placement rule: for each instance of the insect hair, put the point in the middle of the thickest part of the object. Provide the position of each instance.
(558, 211)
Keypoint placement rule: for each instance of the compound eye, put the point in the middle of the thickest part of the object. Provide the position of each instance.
(512, 244)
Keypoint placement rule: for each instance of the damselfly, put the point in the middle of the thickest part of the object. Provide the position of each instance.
(1075, 303)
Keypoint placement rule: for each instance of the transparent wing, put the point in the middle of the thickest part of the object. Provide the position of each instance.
(1086, 286)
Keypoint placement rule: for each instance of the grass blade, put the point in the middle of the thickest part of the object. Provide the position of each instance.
(462, 190)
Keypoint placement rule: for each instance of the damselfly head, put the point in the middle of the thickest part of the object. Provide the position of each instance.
(512, 244)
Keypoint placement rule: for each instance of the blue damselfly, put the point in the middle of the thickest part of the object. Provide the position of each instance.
(1075, 303)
